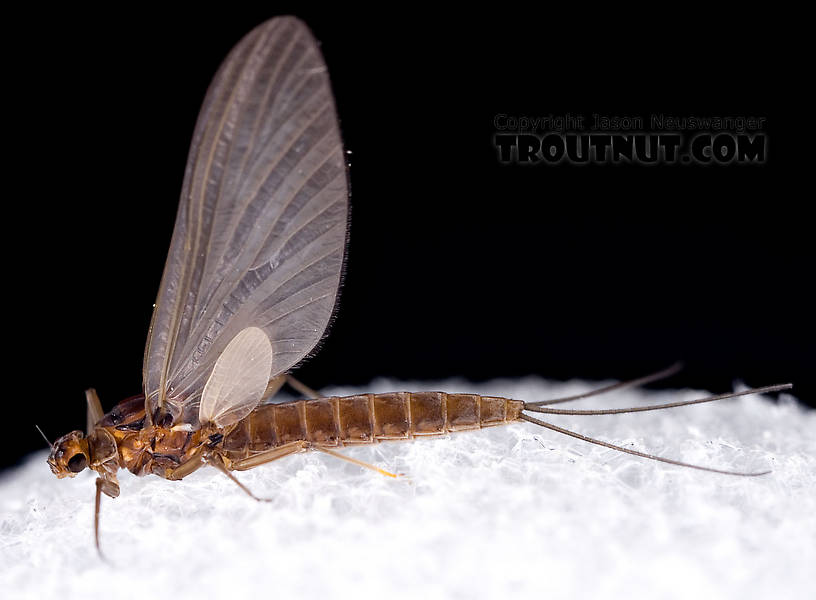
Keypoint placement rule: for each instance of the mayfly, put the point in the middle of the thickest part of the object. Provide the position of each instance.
(249, 288)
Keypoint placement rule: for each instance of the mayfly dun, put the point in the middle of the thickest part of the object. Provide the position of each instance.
(249, 288)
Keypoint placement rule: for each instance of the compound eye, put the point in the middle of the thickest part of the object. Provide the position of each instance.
(77, 462)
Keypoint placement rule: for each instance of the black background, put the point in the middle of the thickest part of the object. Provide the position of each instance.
(457, 265)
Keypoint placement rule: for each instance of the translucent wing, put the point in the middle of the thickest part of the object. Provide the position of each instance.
(238, 379)
(261, 226)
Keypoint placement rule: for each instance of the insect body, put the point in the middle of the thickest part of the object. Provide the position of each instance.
(272, 431)
(249, 288)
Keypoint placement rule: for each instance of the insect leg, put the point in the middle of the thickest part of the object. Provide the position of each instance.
(111, 488)
(188, 466)
(95, 412)
(273, 387)
(269, 455)
(276, 383)
(96, 515)
(359, 463)
(216, 461)
(299, 387)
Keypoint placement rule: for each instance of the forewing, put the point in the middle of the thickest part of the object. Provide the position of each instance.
(261, 226)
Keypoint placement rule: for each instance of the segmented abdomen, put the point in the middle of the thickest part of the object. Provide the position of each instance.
(366, 419)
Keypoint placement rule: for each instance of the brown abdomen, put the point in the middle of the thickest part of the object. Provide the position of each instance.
(366, 419)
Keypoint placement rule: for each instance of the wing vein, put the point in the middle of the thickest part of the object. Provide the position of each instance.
(261, 227)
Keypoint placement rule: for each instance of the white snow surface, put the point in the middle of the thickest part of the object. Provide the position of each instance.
(512, 510)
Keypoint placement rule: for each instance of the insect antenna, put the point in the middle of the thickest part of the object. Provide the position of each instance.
(536, 407)
(50, 445)
(663, 374)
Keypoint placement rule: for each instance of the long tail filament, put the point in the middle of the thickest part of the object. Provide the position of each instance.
(537, 407)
